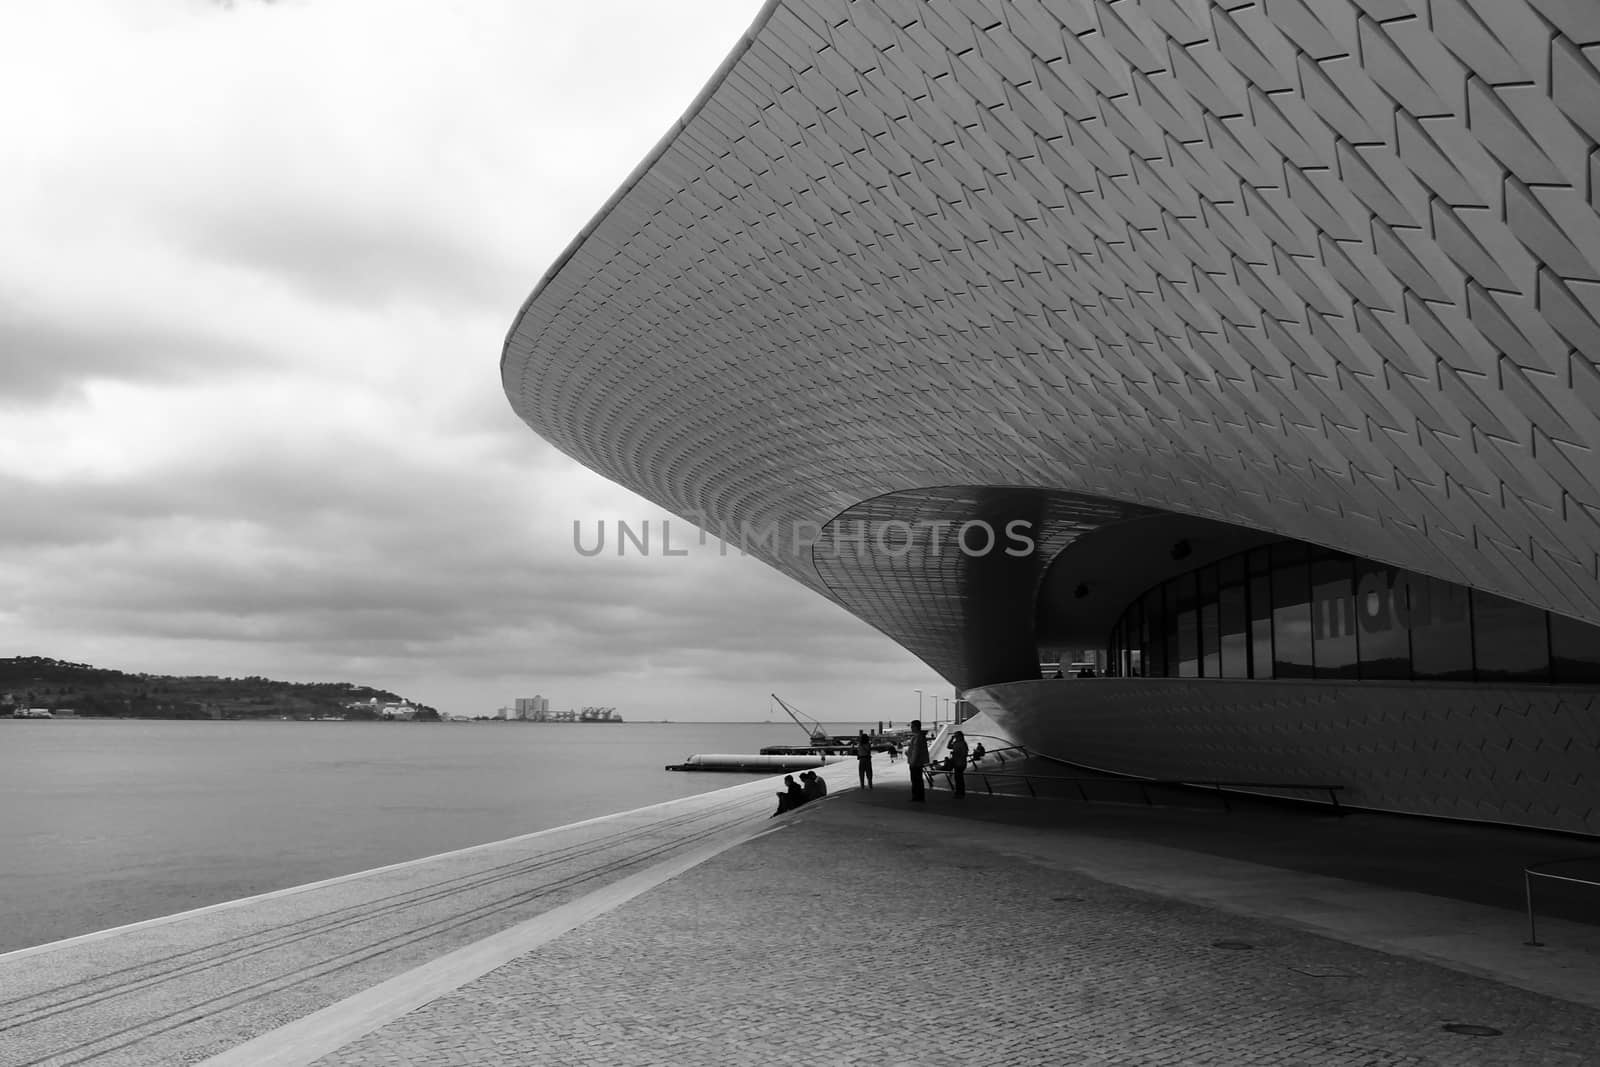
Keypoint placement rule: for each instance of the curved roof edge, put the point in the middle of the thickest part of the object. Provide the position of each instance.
(635, 176)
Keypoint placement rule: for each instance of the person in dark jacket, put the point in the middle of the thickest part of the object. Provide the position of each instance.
(956, 764)
(917, 757)
(791, 797)
(864, 760)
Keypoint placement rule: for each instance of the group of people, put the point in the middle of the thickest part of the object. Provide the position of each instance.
(809, 787)
(955, 763)
(957, 758)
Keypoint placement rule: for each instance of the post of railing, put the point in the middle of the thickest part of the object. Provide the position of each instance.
(1333, 798)
(987, 785)
(1224, 798)
(1083, 795)
(1144, 792)
(1029, 783)
(1527, 894)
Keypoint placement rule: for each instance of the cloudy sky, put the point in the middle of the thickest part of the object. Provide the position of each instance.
(257, 265)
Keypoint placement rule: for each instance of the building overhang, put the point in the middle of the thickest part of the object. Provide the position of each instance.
(1208, 264)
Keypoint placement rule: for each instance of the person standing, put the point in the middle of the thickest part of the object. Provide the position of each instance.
(957, 764)
(917, 758)
(864, 760)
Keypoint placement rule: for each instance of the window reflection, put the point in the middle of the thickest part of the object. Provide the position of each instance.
(1509, 640)
(1286, 612)
(1333, 617)
(1441, 630)
(1574, 650)
(1291, 620)
(1233, 622)
(1381, 611)
(1260, 626)
(1188, 628)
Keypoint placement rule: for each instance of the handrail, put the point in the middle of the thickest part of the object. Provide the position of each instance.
(1007, 745)
(1028, 780)
(1531, 871)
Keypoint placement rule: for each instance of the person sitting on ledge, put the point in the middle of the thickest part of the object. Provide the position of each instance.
(792, 796)
(812, 786)
(977, 753)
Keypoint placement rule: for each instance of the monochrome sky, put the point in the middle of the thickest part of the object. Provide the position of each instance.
(257, 265)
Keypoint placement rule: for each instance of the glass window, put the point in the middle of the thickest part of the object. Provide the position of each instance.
(1574, 650)
(1141, 651)
(1210, 646)
(1234, 645)
(1509, 640)
(1132, 638)
(1261, 626)
(1187, 627)
(1441, 629)
(1289, 552)
(1170, 625)
(1155, 629)
(1291, 610)
(1381, 614)
(1333, 617)
(1291, 620)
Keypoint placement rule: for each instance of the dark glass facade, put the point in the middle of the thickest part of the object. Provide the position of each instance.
(1295, 611)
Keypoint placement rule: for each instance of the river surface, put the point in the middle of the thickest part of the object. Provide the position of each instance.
(105, 822)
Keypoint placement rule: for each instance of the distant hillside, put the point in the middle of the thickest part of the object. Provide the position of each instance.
(40, 682)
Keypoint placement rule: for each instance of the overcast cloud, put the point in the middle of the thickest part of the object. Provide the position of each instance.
(257, 267)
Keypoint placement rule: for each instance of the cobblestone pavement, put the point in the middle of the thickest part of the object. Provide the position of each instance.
(871, 933)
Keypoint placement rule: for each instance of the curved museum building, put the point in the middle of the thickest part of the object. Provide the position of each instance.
(1254, 347)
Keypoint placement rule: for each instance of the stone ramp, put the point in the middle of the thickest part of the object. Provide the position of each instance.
(182, 988)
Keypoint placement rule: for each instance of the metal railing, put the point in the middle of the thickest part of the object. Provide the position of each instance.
(1018, 751)
(1532, 871)
(1143, 784)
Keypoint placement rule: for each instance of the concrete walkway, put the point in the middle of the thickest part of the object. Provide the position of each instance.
(184, 987)
(864, 929)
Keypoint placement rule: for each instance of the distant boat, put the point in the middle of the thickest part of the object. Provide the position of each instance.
(33, 713)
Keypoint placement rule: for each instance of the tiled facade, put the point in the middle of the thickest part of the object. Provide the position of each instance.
(1326, 270)
(1520, 755)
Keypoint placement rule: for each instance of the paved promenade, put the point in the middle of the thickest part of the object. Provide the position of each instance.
(874, 931)
(864, 929)
(179, 989)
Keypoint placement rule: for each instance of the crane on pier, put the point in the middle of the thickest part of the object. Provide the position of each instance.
(815, 734)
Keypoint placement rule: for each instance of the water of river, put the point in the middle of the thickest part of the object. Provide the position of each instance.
(105, 822)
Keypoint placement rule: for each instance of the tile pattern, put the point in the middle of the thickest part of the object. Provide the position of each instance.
(1329, 270)
(1522, 755)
